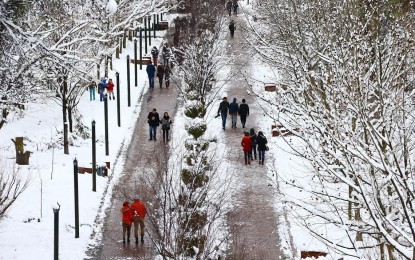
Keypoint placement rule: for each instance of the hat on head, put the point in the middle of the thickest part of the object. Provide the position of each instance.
(260, 133)
(125, 203)
(225, 98)
(136, 197)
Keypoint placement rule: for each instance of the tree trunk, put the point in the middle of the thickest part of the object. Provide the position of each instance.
(22, 157)
(70, 119)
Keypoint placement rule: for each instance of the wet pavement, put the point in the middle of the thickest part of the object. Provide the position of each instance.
(253, 222)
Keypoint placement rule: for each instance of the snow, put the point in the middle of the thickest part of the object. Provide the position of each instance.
(111, 7)
(28, 228)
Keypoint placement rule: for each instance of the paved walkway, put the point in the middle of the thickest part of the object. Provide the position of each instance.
(253, 222)
(140, 155)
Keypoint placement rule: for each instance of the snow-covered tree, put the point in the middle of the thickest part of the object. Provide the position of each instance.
(347, 71)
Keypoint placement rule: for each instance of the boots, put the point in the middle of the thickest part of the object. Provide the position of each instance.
(246, 161)
(128, 240)
(259, 160)
(123, 240)
(249, 161)
(262, 161)
(136, 240)
(142, 239)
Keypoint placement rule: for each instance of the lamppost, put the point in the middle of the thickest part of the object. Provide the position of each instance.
(56, 232)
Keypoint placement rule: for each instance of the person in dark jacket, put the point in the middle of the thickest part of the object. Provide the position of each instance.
(261, 141)
(235, 7)
(92, 86)
(101, 88)
(223, 110)
(167, 75)
(232, 28)
(229, 7)
(253, 138)
(160, 74)
(151, 70)
(243, 112)
(155, 55)
(165, 122)
(153, 123)
(233, 111)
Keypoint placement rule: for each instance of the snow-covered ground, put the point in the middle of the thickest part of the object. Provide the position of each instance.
(28, 228)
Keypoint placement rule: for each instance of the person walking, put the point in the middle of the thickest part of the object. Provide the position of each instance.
(229, 7)
(166, 54)
(160, 74)
(246, 144)
(151, 70)
(261, 141)
(223, 110)
(127, 219)
(235, 7)
(254, 143)
(153, 123)
(165, 122)
(233, 111)
(91, 87)
(232, 28)
(101, 88)
(243, 112)
(155, 55)
(140, 211)
(167, 75)
(110, 89)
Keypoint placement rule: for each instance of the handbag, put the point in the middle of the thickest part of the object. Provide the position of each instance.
(266, 148)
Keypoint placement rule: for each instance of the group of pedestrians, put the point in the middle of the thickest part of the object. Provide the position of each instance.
(232, 5)
(133, 214)
(161, 71)
(154, 121)
(234, 110)
(103, 88)
(251, 143)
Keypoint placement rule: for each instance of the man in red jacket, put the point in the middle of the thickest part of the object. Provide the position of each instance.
(246, 143)
(140, 212)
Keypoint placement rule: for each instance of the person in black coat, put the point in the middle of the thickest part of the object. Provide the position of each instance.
(232, 28)
(243, 112)
(261, 142)
(153, 123)
(223, 110)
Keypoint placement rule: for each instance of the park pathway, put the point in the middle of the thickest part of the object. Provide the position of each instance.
(254, 221)
(139, 156)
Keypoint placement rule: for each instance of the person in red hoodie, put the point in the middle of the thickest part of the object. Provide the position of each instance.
(140, 212)
(110, 89)
(127, 219)
(246, 143)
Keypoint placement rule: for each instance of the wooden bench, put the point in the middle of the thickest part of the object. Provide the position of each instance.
(163, 25)
(270, 87)
(316, 254)
(144, 61)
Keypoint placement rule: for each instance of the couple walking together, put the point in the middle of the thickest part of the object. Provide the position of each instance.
(133, 214)
(154, 121)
